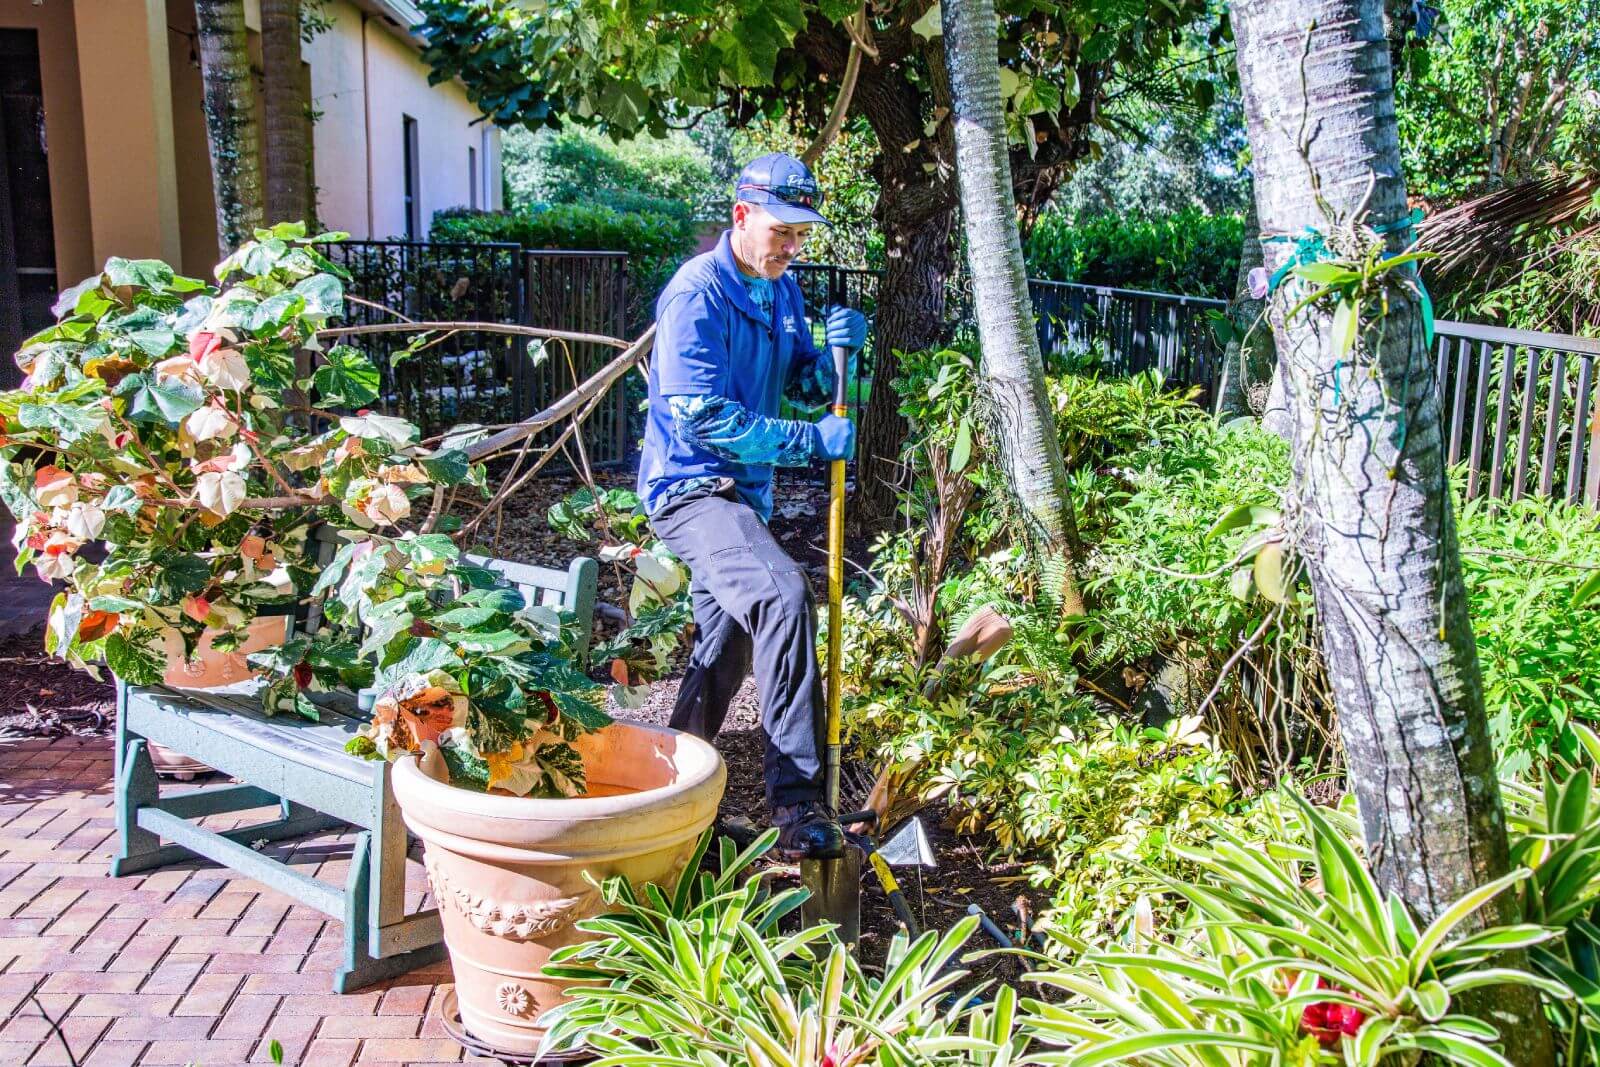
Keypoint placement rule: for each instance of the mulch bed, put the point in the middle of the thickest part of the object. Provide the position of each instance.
(46, 698)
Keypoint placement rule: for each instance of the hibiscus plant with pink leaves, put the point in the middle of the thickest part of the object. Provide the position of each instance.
(199, 434)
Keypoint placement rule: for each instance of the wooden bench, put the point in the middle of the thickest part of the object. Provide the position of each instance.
(300, 767)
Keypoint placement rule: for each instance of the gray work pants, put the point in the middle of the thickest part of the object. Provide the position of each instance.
(752, 607)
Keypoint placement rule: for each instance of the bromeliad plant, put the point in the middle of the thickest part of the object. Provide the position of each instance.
(199, 433)
(1291, 955)
(699, 975)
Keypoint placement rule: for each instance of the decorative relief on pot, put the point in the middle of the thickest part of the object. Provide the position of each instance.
(512, 998)
(538, 918)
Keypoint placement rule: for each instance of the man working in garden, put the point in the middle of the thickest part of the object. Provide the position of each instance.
(731, 340)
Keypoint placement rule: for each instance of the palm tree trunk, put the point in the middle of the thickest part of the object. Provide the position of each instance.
(229, 99)
(1246, 366)
(1011, 367)
(285, 111)
(1373, 519)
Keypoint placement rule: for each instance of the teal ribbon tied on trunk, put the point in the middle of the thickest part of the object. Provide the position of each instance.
(1309, 247)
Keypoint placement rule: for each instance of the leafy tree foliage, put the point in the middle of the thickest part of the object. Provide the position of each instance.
(654, 65)
(669, 175)
(1502, 90)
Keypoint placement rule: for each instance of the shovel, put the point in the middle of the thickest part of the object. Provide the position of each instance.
(835, 885)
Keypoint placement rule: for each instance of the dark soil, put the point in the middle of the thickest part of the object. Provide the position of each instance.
(46, 698)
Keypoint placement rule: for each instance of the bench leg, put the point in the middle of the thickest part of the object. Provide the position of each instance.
(137, 786)
(361, 967)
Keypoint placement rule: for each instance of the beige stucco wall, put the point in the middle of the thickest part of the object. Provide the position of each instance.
(127, 128)
(129, 169)
(396, 84)
(63, 119)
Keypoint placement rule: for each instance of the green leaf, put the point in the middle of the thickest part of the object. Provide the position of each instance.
(1433, 1000)
(323, 295)
(1326, 274)
(930, 25)
(165, 400)
(465, 617)
(346, 380)
(1138, 1045)
(181, 576)
(143, 273)
(1586, 591)
(577, 710)
(1458, 913)
(426, 654)
(136, 657)
(961, 454)
(448, 467)
(1346, 322)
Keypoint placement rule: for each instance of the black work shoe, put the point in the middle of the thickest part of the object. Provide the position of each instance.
(808, 831)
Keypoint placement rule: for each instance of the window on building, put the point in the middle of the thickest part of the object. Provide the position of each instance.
(413, 201)
(472, 178)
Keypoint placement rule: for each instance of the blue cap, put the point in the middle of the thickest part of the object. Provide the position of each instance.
(783, 186)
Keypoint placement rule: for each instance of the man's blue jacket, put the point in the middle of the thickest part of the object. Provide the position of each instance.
(717, 375)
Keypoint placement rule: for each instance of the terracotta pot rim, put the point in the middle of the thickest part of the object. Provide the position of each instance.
(703, 767)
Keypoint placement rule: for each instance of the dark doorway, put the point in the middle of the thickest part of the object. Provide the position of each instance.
(28, 282)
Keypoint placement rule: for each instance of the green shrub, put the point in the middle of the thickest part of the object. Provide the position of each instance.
(671, 176)
(1540, 655)
(1190, 253)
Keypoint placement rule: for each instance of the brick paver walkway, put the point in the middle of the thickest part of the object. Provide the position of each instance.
(188, 964)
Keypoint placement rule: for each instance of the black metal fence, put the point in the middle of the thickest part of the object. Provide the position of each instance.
(586, 292)
(823, 284)
(1520, 409)
(1132, 330)
(460, 378)
(475, 377)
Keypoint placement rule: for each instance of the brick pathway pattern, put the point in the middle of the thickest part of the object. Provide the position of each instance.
(190, 964)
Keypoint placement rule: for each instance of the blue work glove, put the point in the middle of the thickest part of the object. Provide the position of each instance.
(846, 328)
(833, 438)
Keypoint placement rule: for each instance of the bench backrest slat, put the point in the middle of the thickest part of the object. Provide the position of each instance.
(573, 589)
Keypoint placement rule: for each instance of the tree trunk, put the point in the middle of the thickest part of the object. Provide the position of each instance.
(1371, 503)
(1011, 367)
(284, 144)
(229, 100)
(1246, 366)
(910, 316)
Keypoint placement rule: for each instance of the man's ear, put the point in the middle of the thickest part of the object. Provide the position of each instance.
(741, 211)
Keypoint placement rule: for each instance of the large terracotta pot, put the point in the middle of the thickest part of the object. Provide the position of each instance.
(508, 872)
(211, 669)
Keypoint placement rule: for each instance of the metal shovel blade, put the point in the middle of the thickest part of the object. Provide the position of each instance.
(909, 847)
(835, 887)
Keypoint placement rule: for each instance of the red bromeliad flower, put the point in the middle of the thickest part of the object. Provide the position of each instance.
(1327, 1020)
(302, 675)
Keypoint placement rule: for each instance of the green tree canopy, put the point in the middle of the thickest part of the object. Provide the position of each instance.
(653, 65)
(1502, 90)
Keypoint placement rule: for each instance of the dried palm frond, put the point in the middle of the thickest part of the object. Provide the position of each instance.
(1475, 238)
